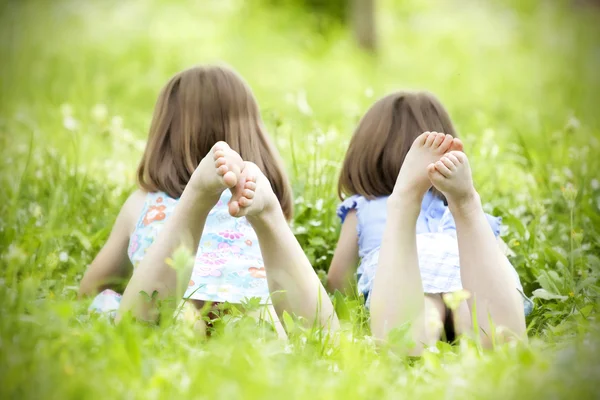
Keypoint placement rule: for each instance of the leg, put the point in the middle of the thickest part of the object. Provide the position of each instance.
(397, 295)
(218, 171)
(485, 271)
(293, 283)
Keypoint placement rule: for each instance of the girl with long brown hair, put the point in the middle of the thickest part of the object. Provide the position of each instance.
(413, 219)
(211, 180)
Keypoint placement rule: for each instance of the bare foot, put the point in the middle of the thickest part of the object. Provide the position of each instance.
(451, 175)
(413, 182)
(256, 196)
(219, 170)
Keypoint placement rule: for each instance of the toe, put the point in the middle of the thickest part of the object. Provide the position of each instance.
(442, 169)
(230, 179)
(245, 202)
(430, 139)
(247, 193)
(234, 208)
(222, 170)
(448, 163)
(462, 157)
(439, 139)
(453, 158)
(422, 138)
(250, 184)
(446, 143)
(457, 145)
(219, 153)
(220, 145)
(434, 174)
(220, 161)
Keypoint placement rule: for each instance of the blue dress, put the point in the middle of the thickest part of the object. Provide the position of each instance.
(437, 246)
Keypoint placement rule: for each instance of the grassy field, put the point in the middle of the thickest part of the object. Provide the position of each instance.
(78, 81)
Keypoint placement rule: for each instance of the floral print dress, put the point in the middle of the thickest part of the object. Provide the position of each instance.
(228, 265)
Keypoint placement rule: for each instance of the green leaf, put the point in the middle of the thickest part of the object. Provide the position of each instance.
(288, 321)
(546, 295)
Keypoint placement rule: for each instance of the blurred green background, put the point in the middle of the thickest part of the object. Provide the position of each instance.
(78, 82)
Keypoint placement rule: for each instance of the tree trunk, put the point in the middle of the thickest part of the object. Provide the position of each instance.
(362, 16)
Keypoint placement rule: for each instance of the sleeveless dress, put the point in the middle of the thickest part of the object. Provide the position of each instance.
(437, 245)
(228, 265)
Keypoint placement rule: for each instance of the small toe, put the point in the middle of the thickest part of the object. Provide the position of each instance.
(220, 161)
(218, 153)
(245, 202)
(220, 145)
(448, 163)
(430, 139)
(447, 142)
(457, 145)
(422, 138)
(442, 169)
(250, 185)
(222, 170)
(462, 157)
(439, 139)
(453, 158)
(247, 193)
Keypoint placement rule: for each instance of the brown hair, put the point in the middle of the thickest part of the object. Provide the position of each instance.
(382, 139)
(197, 108)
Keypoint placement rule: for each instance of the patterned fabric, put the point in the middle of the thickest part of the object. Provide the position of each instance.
(228, 266)
(437, 246)
(106, 303)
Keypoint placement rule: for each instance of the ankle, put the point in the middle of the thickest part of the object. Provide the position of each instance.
(465, 205)
(267, 219)
(404, 200)
(198, 199)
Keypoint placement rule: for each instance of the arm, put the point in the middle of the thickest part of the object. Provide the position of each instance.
(345, 258)
(111, 266)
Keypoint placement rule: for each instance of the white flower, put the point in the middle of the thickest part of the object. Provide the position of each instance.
(70, 123)
(15, 253)
(116, 123)
(63, 256)
(319, 205)
(99, 112)
(433, 349)
(66, 110)
(302, 103)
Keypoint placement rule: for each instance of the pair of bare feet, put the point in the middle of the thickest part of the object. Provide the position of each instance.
(223, 169)
(436, 159)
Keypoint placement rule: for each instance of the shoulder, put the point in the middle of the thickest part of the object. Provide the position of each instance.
(135, 201)
(352, 203)
(131, 209)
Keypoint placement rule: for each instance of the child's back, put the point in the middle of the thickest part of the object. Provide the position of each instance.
(228, 265)
(434, 224)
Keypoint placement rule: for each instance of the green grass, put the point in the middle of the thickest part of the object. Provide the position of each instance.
(78, 83)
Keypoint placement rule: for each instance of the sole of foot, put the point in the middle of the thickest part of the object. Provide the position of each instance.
(218, 171)
(412, 181)
(256, 195)
(451, 175)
